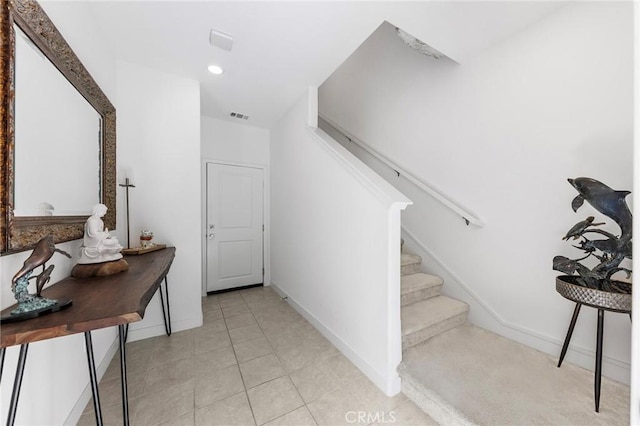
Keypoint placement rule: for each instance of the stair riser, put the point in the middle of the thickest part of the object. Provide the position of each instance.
(424, 294)
(427, 333)
(430, 402)
(411, 268)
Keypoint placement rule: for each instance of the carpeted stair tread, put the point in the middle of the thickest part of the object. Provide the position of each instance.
(408, 259)
(427, 318)
(428, 312)
(410, 263)
(468, 375)
(420, 286)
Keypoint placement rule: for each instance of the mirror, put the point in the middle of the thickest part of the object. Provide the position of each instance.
(57, 133)
(46, 133)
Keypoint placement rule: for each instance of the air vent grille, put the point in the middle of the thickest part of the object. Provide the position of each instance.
(239, 116)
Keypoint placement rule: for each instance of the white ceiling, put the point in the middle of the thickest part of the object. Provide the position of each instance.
(281, 48)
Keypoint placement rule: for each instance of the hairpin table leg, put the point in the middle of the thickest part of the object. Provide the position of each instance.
(167, 315)
(93, 377)
(17, 383)
(567, 339)
(598, 372)
(123, 374)
(2, 351)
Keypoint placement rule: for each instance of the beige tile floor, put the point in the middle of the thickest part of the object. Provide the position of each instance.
(255, 361)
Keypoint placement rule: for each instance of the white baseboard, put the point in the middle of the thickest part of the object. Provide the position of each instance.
(85, 397)
(486, 317)
(389, 385)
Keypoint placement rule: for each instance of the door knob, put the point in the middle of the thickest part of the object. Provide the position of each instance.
(211, 236)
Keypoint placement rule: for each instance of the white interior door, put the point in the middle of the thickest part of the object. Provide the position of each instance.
(234, 229)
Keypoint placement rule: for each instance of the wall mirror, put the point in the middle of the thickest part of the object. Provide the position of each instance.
(57, 133)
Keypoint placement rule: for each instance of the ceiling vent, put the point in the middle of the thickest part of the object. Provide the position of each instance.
(220, 39)
(239, 116)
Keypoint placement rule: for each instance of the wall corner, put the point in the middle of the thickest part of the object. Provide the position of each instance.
(312, 112)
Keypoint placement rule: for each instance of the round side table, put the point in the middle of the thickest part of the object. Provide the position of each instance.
(613, 301)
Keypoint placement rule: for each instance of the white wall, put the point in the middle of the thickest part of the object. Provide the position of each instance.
(334, 246)
(233, 142)
(56, 375)
(501, 133)
(159, 139)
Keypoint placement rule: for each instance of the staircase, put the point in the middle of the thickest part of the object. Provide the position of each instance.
(425, 313)
(460, 374)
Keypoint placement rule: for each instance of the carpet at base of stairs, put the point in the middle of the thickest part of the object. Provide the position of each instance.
(468, 375)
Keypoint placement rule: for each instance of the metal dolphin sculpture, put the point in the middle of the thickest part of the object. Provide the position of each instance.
(611, 251)
(43, 279)
(44, 250)
(577, 229)
(607, 201)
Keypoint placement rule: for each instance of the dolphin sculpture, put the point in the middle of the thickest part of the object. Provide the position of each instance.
(608, 246)
(45, 248)
(43, 279)
(569, 266)
(577, 229)
(610, 252)
(607, 201)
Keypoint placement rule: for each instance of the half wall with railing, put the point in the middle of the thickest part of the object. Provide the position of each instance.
(335, 245)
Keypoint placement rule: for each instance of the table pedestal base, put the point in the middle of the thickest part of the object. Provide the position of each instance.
(58, 306)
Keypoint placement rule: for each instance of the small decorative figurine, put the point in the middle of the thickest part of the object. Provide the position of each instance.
(33, 305)
(100, 252)
(609, 252)
(145, 238)
(98, 245)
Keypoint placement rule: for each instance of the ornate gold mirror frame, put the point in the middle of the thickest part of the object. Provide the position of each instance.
(21, 233)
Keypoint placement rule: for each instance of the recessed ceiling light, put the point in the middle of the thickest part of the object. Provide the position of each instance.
(214, 69)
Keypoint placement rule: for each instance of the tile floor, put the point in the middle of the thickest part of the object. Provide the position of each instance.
(255, 361)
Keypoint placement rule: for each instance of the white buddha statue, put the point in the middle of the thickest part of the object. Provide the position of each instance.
(98, 245)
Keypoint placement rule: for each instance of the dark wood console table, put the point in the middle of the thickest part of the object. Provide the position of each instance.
(98, 302)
